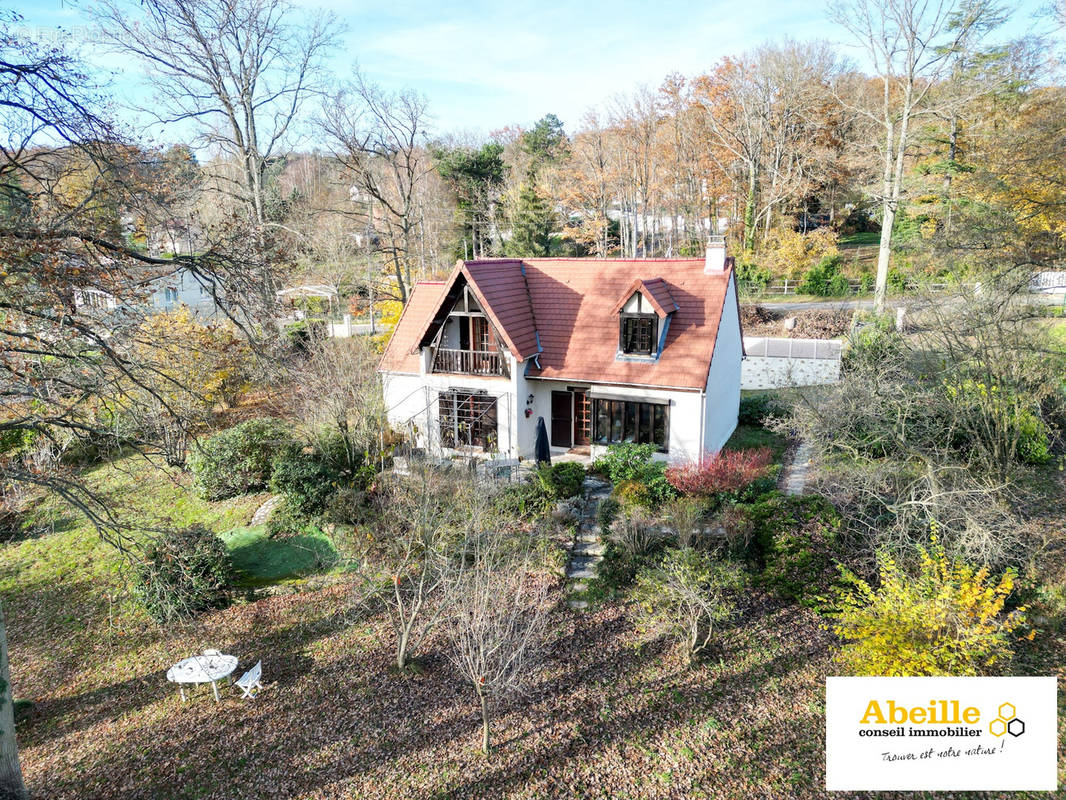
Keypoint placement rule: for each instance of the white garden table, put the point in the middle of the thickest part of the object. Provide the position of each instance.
(202, 669)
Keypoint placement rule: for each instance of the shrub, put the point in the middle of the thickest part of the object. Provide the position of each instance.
(184, 572)
(825, 279)
(308, 477)
(238, 460)
(609, 508)
(348, 506)
(1034, 445)
(725, 471)
(755, 409)
(523, 499)
(684, 516)
(948, 619)
(751, 277)
(625, 462)
(788, 253)
(793, 540)
(631, 493)
(562, 480)
(687, 595)
(896, 281)
(636, 533)
(639, 478)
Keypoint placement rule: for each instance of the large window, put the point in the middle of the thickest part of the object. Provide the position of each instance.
(638, 334)
(620, 421)
(467, 419)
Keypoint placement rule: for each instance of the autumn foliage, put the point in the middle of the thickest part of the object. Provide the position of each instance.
(725, 471)
(947, 619)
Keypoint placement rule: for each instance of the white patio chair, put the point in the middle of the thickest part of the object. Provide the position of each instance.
(249, 682)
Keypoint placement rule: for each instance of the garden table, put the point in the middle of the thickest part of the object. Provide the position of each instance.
(202, 669)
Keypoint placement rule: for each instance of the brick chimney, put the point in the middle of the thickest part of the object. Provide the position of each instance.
(716, 260)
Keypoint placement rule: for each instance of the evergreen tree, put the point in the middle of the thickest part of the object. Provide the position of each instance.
(532, 223)
(476, 177)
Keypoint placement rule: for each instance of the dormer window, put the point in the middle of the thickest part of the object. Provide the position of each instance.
(639, 334)
(638, 327)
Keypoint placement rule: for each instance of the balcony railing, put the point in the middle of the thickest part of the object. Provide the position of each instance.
(469, 362)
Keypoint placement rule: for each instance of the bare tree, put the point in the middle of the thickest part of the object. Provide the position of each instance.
(497, 612)
(71, 368)
(426, 516)
(913, 45)
(687, 595)
(239, 70)
(340, 394)
(379, 137)
(933, 429)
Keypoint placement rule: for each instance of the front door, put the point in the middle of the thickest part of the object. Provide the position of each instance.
(562, 419)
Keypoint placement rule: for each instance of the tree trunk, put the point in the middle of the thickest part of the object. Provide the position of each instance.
(749, 211)
(11, 784)
(484, 722)
(888, 218)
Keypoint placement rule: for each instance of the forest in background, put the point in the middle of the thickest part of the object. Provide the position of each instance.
(950, 133)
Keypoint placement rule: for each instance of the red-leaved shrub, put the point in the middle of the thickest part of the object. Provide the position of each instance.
(726, 471)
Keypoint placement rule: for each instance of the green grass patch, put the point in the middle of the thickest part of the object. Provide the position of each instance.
(747, 436)
(259, 559)
(865, 239)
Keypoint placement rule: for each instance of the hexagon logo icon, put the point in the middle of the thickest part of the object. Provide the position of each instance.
(997, 727)
(1007, 711)
(1015, 727)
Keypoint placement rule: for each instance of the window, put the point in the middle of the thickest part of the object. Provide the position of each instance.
(170, 295)
(467, 419)
(619, 421)
(638, 334)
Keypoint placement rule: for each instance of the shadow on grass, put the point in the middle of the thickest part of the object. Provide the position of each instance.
(259, 559)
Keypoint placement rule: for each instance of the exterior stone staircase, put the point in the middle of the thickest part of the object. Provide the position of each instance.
(588, 548)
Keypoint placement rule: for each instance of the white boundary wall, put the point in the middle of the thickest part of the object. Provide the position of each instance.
(772, 363)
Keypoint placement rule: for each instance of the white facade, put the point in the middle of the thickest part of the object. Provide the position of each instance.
(722, 395)
(697, 421)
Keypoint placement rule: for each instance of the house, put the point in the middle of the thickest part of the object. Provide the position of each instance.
(158, 289)
(604, 350)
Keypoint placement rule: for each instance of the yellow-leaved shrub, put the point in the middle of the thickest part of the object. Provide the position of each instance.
(948, 619)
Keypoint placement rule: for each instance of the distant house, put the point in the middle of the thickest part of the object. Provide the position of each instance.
(604, 350)
(163, 290)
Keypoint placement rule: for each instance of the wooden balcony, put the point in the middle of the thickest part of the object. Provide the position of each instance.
(469, 362)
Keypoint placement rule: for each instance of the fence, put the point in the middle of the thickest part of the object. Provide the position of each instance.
(856, 287)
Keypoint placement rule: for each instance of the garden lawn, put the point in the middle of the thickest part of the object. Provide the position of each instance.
(261, 560)
(748, 436)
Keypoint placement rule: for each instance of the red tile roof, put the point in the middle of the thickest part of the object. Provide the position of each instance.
(500, 288)
(566, 310)
(424, 299)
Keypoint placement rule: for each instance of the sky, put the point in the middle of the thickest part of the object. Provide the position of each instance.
(484, 65)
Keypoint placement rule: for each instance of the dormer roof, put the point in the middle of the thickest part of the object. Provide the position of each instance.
(655, 291)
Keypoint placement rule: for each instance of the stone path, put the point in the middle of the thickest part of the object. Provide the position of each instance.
(262, 514)
(587, 550)
(795, 477)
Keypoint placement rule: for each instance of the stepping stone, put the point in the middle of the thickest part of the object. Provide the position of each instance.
(588, 549)
(578, 605)
(586, 571)
(579, 586)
